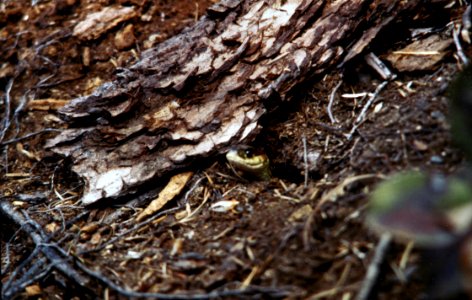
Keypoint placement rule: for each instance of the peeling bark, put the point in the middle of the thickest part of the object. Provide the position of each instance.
(204, 90)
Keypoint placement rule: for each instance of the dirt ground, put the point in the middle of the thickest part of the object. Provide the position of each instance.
(282, 238)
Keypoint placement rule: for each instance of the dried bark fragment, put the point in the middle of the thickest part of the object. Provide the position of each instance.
(97, 23)
(172, 189)
(203, 90)
(125, 38)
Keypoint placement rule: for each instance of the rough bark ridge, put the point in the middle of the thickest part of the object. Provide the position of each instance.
(204, 90)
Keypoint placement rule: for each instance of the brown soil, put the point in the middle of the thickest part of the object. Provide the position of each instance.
(282, 238)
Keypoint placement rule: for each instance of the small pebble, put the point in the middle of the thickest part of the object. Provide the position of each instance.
(438, 115)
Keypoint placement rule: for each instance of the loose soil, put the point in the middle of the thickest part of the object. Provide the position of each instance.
(283, 238)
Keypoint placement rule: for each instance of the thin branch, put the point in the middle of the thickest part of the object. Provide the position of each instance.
(460, 52)
(374, 267)
(6, 287)
(375, 63)
(6, 118)
(34, 274)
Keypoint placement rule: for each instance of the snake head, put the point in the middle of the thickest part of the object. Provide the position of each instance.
(249, 161)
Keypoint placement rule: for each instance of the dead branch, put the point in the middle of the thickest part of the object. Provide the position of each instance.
(43, 245)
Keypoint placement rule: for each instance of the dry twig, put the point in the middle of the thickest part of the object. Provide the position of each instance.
(375, 63)
(361, 117)
(331, 101)
(374, 268)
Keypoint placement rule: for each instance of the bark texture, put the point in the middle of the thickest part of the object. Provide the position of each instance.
(204, 90)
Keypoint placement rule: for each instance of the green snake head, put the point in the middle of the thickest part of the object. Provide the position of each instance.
(249, 161)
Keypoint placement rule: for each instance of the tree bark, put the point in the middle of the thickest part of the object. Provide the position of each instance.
(204, 90)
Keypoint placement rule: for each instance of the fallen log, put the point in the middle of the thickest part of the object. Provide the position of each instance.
(204, 90)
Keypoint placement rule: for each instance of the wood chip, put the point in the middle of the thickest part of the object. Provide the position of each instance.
(224, 205)
(125, 38)
(172, 189)
(47, 104)
(52, 227)
(420, 145)
(33, 290)
(89, 228)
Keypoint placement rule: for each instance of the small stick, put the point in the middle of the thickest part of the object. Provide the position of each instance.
(6, 118)
(375, 63)
(374, 267)
(331, 101)
(305, 160)
(361, 116)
